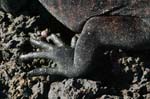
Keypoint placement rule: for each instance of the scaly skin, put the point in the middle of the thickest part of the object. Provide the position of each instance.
(121, 24)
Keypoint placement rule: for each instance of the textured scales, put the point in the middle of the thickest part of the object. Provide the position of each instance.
(74, 13)
(113, 23)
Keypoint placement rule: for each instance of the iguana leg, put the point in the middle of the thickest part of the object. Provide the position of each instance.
(57, 41)
(62, 55)
(123, 32)
(42, 45)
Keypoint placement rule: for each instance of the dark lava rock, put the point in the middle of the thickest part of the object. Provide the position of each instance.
(73, 89)
(38, 91)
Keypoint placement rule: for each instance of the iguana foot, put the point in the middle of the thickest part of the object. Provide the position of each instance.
(60, 53)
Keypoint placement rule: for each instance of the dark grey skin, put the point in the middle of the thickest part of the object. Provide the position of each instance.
(122, 25)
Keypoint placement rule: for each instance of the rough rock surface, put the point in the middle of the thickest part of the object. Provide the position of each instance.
(73, 89)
